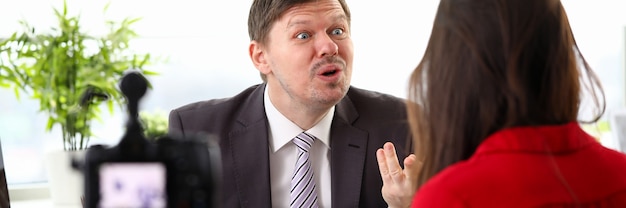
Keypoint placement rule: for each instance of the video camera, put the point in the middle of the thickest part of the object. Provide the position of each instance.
(171, 171)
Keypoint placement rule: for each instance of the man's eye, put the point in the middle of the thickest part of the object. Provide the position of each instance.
(303, 36)
(337, 31)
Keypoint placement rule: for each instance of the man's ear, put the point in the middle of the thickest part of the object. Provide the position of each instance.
(258, 57)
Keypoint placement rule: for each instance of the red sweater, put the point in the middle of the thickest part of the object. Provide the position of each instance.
(546, 166)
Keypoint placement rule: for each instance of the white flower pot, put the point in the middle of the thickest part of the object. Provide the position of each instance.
(65, 182)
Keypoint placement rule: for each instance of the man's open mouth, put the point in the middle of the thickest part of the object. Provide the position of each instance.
(329, 73)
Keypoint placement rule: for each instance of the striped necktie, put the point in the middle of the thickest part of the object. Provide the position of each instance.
(303, 191)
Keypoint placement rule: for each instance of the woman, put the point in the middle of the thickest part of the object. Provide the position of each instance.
(493, 107)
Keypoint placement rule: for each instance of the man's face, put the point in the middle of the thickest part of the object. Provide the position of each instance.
(308, 55)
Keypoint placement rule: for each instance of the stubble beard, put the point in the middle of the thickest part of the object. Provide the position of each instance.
(330, 94)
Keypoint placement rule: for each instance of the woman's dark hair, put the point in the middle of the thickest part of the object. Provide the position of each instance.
(491, 65)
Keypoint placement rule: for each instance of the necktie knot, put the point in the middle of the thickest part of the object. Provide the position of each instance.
(304, 141)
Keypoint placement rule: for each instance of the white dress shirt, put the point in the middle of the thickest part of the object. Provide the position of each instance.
(283, 154)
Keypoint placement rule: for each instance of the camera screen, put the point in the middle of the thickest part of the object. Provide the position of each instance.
(132, 185)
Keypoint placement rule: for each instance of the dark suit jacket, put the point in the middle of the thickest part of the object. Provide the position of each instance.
(363, 122)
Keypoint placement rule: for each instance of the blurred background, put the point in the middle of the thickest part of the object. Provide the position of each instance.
(201, 53)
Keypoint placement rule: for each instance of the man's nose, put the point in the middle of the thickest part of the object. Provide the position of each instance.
(327, 46)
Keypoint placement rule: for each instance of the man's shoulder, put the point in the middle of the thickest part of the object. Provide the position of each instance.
(218, 104)
(372, 105)
(358, 96)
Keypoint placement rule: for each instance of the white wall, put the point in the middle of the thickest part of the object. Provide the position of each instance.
(206, 44)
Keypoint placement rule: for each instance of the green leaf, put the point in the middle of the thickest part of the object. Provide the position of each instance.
(50, 124)
(130, 21)
(16, 91)
(145, 60)
(106, 7)
(110, 106)
(149, 73)
(64, 7)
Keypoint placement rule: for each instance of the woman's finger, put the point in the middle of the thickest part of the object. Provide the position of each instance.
(382, 166)
(412, 167)
(393, 165)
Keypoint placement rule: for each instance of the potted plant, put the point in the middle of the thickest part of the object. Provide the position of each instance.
(69, 72)
(154, 124)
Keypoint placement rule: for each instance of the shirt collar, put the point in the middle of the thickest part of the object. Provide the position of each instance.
(553, 139)
(282, 130)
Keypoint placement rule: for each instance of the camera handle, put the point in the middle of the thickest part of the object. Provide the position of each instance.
(134, 87)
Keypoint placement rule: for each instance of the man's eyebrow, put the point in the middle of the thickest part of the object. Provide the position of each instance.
(340, 17)
(336, 18)
(297, 22)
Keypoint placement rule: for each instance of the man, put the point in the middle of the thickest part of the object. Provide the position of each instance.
(304, 52)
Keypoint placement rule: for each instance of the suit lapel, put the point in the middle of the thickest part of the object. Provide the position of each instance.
(348, 151)
(250, 151)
